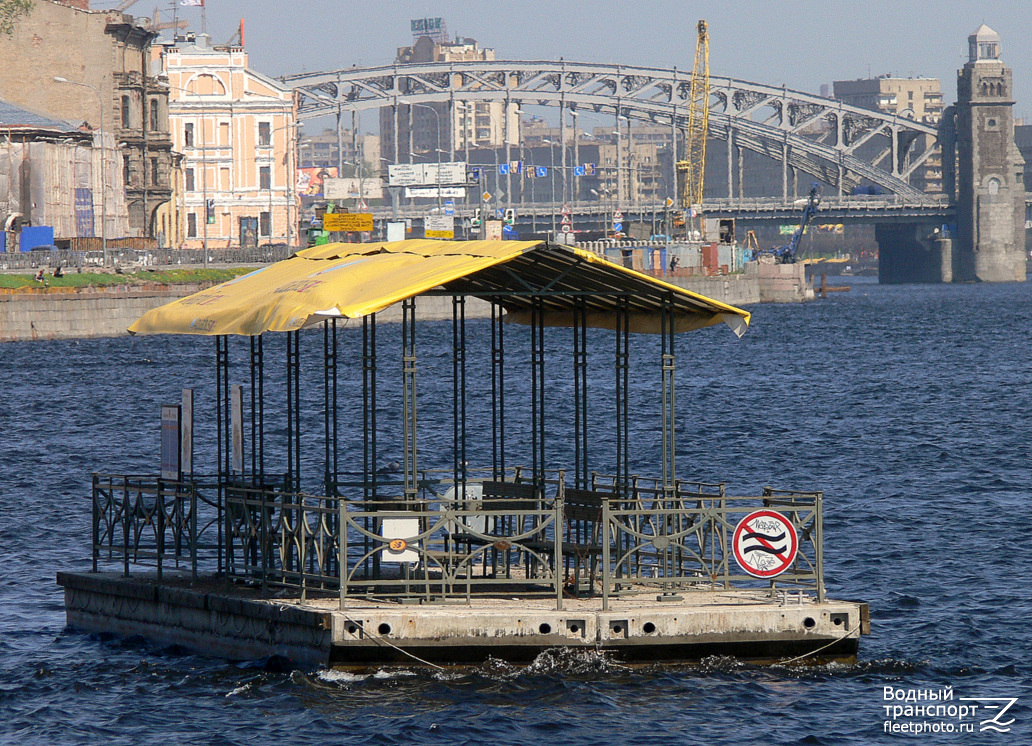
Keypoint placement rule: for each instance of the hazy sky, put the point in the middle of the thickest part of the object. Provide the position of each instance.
(798, 44)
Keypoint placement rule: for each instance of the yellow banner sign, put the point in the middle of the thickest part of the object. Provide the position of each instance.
(347, 221)
(439, 234)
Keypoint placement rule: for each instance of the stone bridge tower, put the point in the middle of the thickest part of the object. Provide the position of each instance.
(990, 189)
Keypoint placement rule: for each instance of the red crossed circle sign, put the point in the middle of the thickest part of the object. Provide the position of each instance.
(765, 543)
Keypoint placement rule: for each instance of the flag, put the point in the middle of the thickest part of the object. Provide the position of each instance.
(194, 3)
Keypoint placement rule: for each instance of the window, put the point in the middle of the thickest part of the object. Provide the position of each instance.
(191, 225)
(155, 171)
(264, 224)
(264, 135)
(188, 134)
(154, 121)
(264, 178)
(223, 133)
(190, 182)
(125, 112)
(126, 171)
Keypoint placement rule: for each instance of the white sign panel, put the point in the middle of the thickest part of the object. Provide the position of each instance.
(352, 188)
(451, 173)
(439, 226)
(432, 191)
(396, 231)
(405, 174)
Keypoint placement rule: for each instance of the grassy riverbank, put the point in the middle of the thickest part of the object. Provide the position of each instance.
(75, 279)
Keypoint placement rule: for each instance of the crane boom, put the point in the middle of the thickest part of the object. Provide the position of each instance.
(694, 164)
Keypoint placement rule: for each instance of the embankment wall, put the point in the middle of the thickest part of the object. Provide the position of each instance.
(80, 313)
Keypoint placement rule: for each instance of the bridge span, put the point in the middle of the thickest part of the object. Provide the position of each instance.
(842, 145)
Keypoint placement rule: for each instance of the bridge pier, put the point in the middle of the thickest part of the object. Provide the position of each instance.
(913, 252)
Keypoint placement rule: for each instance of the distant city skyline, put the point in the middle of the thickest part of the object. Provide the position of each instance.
(800, 45)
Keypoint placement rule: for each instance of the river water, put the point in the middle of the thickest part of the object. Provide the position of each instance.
(910, 406)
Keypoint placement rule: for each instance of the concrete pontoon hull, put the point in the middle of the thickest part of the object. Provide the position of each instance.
(213, 618)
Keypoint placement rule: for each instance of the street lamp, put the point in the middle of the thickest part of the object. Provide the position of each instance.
(103, 162)
(437, 118)
(551, 180)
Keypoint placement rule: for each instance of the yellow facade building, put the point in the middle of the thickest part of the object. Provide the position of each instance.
(237, 133)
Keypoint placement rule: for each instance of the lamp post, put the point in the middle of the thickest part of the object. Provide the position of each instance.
(551, 182)
(103, 162)
(437, 118)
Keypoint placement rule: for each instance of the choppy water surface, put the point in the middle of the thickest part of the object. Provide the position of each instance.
(908, 405)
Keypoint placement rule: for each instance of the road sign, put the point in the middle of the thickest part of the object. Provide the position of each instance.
(541, 171)
(668, 202)
(503, 169)
(439, 226)
(617, 227)
(363, 205)
(589, 169)
(515, 167)
(499, 212)
(486, 196)
(449, 207)
(617, 216)
(578, 170)
(347, 221)
(765, 543)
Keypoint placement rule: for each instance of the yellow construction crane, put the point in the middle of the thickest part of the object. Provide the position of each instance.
(694, 164)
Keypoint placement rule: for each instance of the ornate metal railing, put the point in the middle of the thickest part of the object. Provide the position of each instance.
(143, 520)
(521, 537)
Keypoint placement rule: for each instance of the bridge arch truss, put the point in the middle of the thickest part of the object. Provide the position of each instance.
(838, 143)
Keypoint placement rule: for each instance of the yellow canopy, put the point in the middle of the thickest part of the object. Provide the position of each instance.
(354, 280)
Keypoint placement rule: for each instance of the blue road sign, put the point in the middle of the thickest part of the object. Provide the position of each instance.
(475, 173)
(617, 227)
(499, 213)
(503, 169)
(516, 167)
(542, 171)
(449, 207)
(578, 170)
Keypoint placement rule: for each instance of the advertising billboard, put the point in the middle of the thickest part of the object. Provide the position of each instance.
(310, 180)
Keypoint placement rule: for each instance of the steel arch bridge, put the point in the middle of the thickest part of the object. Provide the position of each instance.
(838, 143)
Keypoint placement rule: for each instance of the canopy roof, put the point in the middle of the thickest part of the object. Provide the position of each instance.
(354, 280)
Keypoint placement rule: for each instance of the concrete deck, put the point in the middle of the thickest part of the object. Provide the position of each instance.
(234, 621)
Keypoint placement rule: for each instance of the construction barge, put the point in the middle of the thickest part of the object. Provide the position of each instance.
(516, 532)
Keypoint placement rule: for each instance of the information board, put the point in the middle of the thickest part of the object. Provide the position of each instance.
(348, 221)
(439, 226)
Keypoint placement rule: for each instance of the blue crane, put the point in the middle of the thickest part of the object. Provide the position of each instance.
(787, 254)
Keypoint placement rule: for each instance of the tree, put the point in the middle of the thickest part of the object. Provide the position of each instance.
(10, 11)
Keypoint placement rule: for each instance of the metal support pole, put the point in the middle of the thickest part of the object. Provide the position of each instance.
(330, 420)
(784, 171)
(562, 146)
(669, 414)
(459, 394)
(580, 394)
(257, 410)
(222, 428)
(537, 377)
(497, 392)
(369, 404)
(621, 394)
(408, 334)
(730, 162)
(293, 411)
